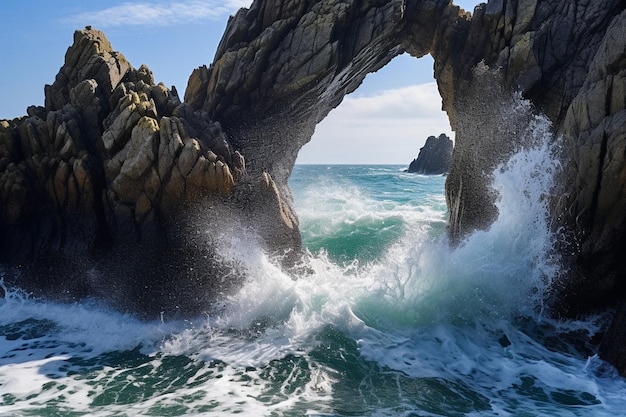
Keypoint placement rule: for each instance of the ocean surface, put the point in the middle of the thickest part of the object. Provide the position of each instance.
(387, 320)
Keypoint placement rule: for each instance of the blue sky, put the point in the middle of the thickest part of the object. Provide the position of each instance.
(386, 120)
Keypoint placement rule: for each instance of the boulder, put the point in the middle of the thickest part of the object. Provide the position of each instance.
(435, 158)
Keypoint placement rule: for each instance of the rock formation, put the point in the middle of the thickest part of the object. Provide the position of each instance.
(114, 164)
(565, 57)
(105, 171)
(435, 157)
(540, 48)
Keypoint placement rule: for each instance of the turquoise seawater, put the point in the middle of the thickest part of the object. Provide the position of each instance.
(388, 320)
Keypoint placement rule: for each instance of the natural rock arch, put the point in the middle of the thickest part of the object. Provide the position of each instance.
(268, 91)
(115, 163)
(281, 70)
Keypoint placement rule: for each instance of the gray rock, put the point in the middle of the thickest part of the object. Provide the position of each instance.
(435, 158)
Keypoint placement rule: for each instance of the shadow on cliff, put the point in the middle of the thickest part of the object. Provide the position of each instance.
(175, 268)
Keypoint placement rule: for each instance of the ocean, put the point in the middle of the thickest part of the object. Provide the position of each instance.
(385, 319)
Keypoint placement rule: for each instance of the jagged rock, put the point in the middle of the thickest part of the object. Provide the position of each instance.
(166, 100)
(196, 91)
(107, 164)
(594, 203)
(565, 58)
(282, 66)
(90, 57)
(120, 123)
(435, 158)
(135, 159)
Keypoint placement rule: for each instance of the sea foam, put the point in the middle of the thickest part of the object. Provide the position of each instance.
(421, 327)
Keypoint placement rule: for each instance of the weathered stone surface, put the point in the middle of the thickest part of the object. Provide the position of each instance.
(273, 80)
(90, 57)
(594, 204)
(435, 157)
(108, 165)
(566, 58)
(542, 49)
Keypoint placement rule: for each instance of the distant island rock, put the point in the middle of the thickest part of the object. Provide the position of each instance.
(435, 157)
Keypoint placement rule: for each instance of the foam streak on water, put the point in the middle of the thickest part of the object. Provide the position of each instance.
(390, 321)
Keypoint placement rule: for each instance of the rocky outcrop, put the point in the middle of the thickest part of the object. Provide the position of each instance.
(594, 206)
(568, 59)
(435, 157)
(594, 131)
(106, 171)
(540, 48)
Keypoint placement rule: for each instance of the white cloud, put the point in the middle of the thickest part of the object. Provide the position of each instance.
(157, 14)
(387, 127)
(405, 102)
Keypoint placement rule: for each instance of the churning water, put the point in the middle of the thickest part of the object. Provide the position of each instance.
(388, 320)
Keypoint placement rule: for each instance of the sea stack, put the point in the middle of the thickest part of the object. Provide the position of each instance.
(435, 157)
(103, 191)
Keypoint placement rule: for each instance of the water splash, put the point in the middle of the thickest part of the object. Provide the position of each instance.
(424, 329)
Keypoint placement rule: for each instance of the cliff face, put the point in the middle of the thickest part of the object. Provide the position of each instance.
(541, 48)
(114, 164)
(568, 60)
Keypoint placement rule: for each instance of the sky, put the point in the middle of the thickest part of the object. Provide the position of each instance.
(385, 121)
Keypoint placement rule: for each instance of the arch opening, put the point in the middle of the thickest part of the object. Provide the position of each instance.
(375, 132)
(385, 121)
